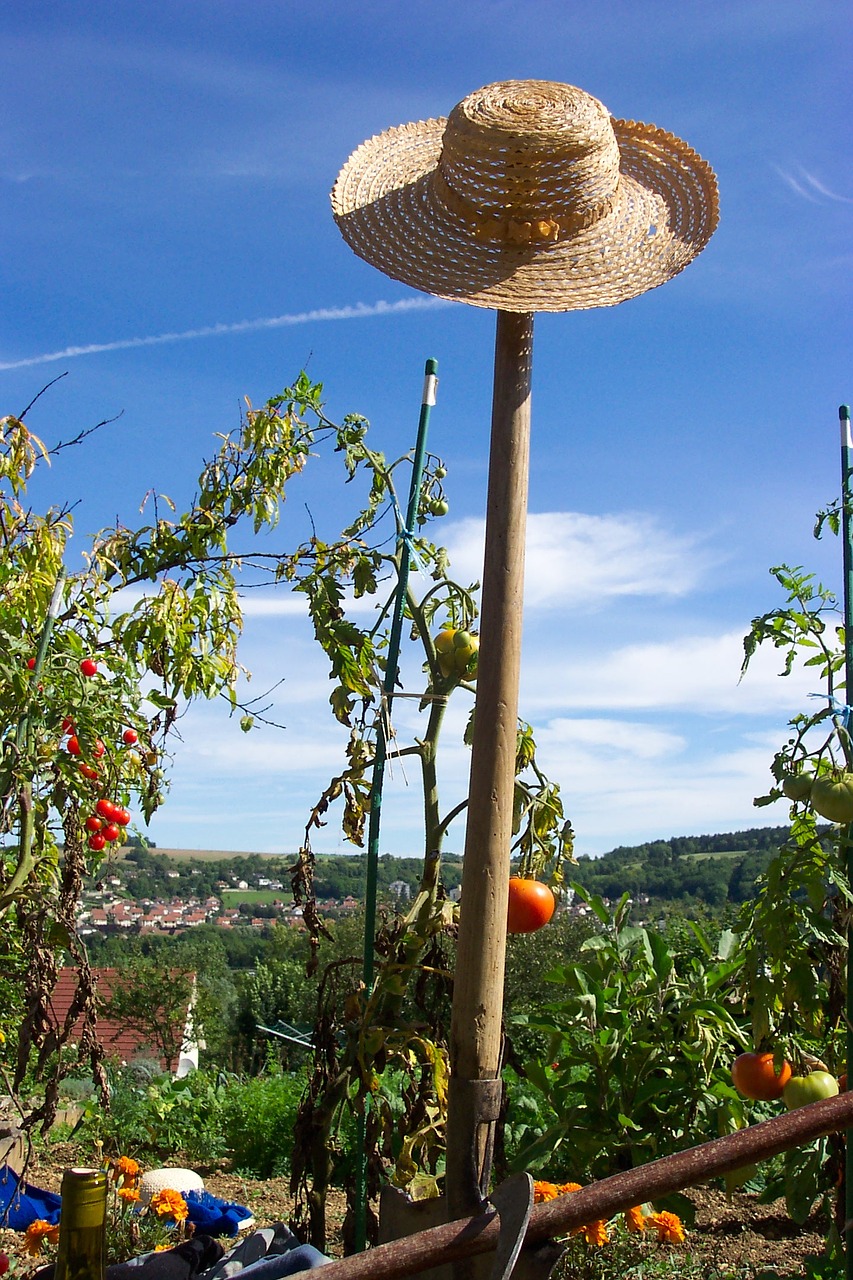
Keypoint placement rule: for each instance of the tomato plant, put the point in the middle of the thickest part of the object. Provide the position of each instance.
(531, 905)
(756, 1076)
(641, 1030)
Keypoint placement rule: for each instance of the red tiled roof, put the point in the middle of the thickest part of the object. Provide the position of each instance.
(118, 1041)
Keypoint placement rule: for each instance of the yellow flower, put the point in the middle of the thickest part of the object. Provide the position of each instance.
(36, 1234)
(125, 1170)
(635, 1219)
(169, 1204)
(595, 1232)
(668, 1227)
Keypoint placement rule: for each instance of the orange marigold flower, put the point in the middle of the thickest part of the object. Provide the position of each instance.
(130, 1195)
(595, 1232)
(544, 1191)
(635, 1219)
(668, 1227)
(169, 1204)
(566, 1188)
(126, 1169)
(36, 1234)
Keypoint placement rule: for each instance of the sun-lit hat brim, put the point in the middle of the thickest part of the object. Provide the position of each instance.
(387, 206)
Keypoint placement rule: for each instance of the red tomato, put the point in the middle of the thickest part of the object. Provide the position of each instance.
(88, 667)
(73, 746)
(97, 841)
(754, 1076)
(106, 809)
(112, 832)
(121, 815)
(93, 824)
(89, 771)
(129, 737)
(98, 749)
(31, 662)
(531, 905)
(67, 725)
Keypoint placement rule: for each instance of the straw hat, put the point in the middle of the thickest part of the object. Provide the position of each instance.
(528, 197)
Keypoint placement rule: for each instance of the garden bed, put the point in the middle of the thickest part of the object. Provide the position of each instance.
(738, 1239)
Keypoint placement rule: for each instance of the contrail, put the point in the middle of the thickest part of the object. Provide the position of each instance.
(360, 311)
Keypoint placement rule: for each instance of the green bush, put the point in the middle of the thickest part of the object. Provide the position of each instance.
(258, 1117)
(159, 1116)
(639, 1042)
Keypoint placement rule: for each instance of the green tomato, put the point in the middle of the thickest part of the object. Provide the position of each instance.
(801, 1090)
(797, 786)
(832, 796)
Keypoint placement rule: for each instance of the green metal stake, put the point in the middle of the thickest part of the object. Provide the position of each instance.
(847, 540)
(405, 536)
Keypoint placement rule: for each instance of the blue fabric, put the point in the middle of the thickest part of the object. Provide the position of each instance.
(23, 1204)
(212, 1216)
(304, 1257)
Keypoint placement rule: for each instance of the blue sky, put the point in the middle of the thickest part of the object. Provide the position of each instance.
(165, 170)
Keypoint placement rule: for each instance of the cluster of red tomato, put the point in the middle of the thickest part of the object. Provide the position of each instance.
(758, 1077)
(106, 825)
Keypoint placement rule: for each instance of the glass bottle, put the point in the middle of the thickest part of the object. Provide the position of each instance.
(81, 1254)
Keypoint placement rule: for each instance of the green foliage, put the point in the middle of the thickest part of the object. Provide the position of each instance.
(639, 1046)
(258, 1118)
(159, 1115)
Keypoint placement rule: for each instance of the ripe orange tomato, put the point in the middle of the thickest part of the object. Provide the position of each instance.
(531, 905)
(754, 1076)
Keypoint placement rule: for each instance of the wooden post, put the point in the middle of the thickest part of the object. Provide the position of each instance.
(475, 1035)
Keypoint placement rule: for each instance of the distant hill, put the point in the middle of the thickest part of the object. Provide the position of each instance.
(711, 869)
(714, 869)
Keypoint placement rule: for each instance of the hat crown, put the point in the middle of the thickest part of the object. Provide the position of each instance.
(531, 149)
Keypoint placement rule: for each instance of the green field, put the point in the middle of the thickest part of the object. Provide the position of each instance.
(266, 897)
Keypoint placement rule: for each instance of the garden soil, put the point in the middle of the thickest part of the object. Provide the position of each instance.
(741, 1238)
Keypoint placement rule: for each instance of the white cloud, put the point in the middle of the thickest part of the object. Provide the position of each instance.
(584, 561)
(694, 673)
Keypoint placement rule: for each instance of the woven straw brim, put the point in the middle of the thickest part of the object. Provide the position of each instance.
(387, 206)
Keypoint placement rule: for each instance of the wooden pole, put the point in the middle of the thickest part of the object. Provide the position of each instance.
(475, 1035)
